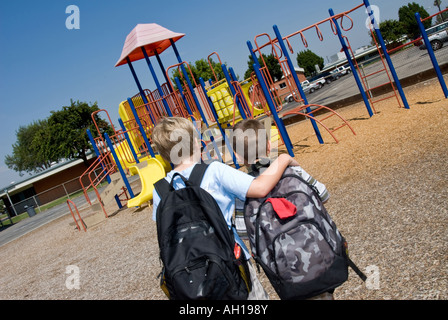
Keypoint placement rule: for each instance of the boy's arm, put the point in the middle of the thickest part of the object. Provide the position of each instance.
(264, 183)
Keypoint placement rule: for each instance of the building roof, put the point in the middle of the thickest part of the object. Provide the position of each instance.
(28, 182)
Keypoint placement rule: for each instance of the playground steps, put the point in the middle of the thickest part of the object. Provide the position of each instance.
(93, 218)
(112, 189)
(90, 216)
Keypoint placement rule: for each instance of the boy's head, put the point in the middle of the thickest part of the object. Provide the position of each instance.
(250, 141)
(176, 139)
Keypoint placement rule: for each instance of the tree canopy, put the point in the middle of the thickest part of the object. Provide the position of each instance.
(308, 60)
(391, 30)
(406, 16)
(271, 63)
(200, 69)
(32, 151)
(61, 136)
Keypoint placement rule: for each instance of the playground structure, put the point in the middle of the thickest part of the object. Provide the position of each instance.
(212, 108)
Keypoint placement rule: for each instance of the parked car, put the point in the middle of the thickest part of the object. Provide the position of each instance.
(316, 82)
(437, 35)
(329, 77)
(306, 89)
(342, 70)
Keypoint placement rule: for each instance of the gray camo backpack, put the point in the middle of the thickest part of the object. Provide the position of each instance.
(295, 240)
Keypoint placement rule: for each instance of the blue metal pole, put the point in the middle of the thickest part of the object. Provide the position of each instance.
(352, 66)
(240, 107)
(189, 111)
(128, 139)
(188, 82)
(194, 121)
(163, 70)
(297, 81)
(117, 162)
(142, 130)
(271, 105)
(154, 76)
(431, 54)
(140, 89)
(386, 54)
(228, 79)
(183, 97)
(223, 133)
(278, 121)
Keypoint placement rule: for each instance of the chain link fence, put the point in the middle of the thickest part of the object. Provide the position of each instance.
(50, 197)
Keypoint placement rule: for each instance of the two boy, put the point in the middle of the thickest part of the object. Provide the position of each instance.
(177, 142)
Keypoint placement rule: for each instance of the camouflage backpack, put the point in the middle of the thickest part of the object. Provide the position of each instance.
(295, 241)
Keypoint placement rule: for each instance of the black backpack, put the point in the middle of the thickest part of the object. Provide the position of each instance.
(197, 249)
(296, 242)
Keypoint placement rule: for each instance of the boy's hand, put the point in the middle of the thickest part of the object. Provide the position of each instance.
(264, 183)
(292, 162)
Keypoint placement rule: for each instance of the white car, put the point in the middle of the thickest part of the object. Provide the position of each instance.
(306, 89)
(342, 70)
(437, 35)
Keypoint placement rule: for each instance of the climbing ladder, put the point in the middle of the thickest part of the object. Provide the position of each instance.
(364, 77)
(316, 113)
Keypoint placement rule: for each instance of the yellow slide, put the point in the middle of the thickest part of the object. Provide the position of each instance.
(153, 172)
(245, 87)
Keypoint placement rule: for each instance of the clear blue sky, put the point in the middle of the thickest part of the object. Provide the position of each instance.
(43, 64)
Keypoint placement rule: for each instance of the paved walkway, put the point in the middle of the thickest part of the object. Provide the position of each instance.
(21, 228)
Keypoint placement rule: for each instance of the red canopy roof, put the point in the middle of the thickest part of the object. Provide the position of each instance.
(151, 36)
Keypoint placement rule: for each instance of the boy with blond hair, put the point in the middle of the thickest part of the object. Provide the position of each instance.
(177, 141)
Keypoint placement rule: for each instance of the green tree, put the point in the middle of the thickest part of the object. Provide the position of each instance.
(406, 16)
(271, 63)
(391, 30)
(308, 60)
(200, 69)
(61, 136)
(68, 130)
(33, 151)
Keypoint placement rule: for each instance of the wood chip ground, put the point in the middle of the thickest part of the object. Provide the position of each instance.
(389, 194)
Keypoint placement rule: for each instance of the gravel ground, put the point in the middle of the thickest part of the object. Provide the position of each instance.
(389, 198)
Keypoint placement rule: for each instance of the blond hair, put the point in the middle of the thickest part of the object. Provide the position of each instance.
(174, 139)
(250, 140)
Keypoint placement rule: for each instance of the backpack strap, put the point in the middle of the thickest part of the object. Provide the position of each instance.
(198, 173)
(356, 269)
(162, 187)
